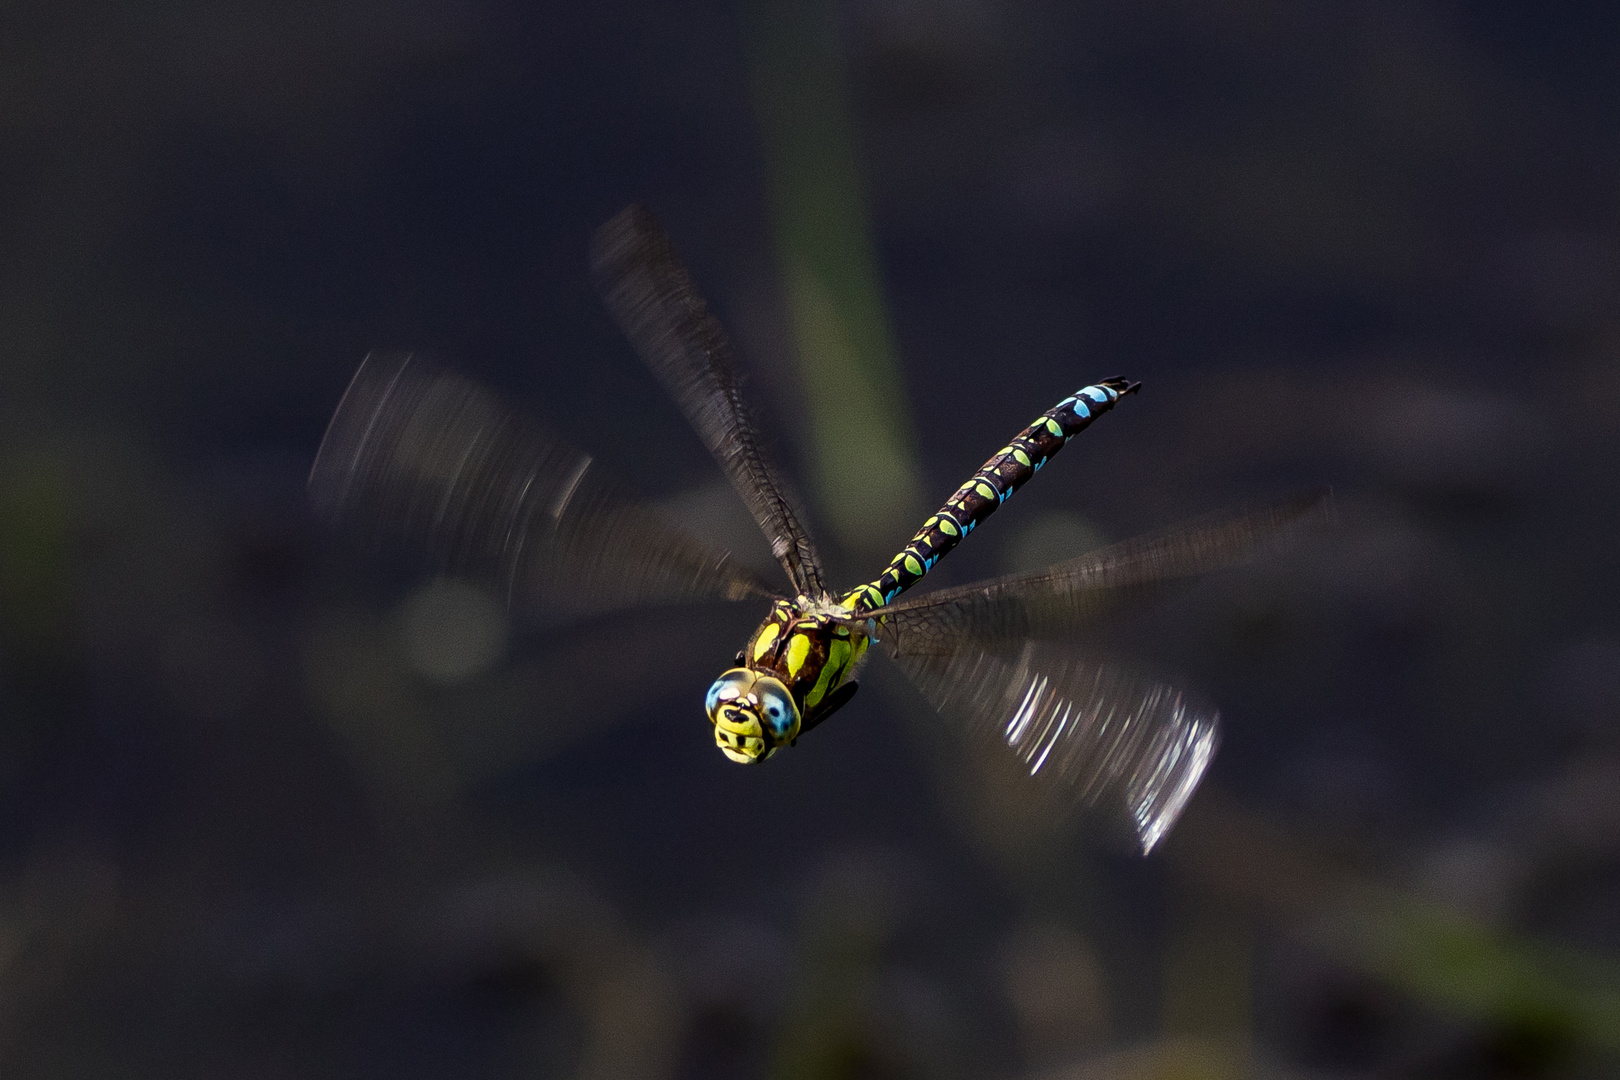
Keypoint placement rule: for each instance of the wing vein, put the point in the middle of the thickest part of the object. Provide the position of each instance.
(652, 297)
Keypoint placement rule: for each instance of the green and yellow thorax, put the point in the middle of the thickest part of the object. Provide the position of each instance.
(809, 652)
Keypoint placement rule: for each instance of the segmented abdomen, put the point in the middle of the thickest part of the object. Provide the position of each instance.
(987, 489)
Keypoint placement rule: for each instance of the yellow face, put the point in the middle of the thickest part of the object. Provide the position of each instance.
(752, 714)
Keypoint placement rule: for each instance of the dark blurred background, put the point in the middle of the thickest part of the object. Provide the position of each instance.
(272, 808)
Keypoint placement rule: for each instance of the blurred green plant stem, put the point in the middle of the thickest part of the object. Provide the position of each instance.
(862, 465)
(1437, 955)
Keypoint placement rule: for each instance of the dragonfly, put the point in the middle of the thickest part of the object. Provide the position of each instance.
(418, 453)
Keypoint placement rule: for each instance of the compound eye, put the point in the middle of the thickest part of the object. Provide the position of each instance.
(776, 707)
(729, 686)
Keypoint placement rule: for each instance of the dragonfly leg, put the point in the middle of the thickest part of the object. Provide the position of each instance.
(829, 705)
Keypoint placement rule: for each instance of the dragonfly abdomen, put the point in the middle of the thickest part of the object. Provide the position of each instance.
(987, 489)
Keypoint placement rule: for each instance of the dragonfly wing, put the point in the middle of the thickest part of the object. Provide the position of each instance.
(419, 454)
(1068, 595)
(1088, 730)
(651, 295)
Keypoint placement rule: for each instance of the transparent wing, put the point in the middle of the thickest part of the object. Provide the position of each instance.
(1068, 595)
(651, 295)
(1088, 731)
(421, 455)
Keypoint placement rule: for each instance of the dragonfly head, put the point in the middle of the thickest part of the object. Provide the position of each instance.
(752, 714)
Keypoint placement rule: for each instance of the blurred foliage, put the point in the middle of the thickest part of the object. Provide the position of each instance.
(36, 590)
(855, 399)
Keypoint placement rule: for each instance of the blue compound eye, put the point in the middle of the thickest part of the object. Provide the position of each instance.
(777, 710)
(728, 686)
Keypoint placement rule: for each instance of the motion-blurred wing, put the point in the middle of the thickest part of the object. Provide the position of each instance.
(421, 455)
(651, 295)
(1067, 595)
(1088, 730)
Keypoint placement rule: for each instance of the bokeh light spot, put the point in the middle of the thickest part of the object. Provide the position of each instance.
(452, 631)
